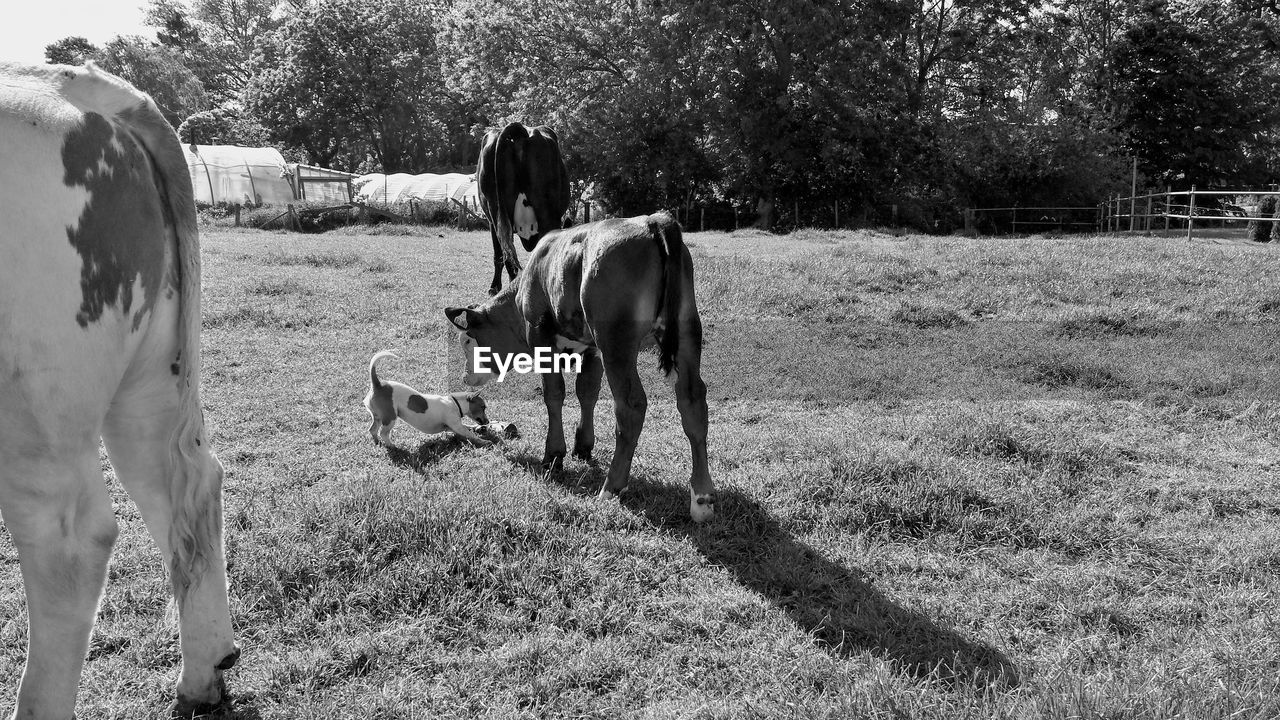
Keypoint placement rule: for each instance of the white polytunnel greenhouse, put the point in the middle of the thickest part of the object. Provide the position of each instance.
(428, 187)
(233, 174)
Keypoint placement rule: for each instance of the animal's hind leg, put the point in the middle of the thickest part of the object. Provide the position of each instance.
(691, 400)
(587, 388)
(138, 437)
(62, 524)
(498, 259)
(619, 350)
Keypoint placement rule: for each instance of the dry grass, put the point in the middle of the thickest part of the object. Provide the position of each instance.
(960, 479)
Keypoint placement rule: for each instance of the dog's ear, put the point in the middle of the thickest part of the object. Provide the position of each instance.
(460, 317)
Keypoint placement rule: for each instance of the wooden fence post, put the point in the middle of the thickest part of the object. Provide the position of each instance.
(836, 205)
(237, 209)
(702, 218)
(1168, 198)
(1146, 219)
(1191, 212)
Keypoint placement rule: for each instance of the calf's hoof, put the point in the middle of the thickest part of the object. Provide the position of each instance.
(552, 462)
(702, 507)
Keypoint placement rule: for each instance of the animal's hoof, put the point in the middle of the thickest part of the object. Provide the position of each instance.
(493, 290)
(187, 709)
(553, 462)
(582, 453)
(701, 507)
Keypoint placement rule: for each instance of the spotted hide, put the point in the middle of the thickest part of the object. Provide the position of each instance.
(99, 340)
(524, 190)
(606, 290)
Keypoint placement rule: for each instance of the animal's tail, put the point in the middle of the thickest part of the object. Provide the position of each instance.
(195, 491)
(666, 231)
(373, 366)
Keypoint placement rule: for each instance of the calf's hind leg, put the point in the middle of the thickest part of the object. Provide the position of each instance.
(691, 400)
(619, 352)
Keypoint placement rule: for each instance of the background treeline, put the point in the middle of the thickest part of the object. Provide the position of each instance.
(926, 106)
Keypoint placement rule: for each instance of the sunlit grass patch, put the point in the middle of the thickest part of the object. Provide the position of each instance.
(1066, 507)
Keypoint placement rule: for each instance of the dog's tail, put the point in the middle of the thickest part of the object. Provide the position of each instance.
(373, 367)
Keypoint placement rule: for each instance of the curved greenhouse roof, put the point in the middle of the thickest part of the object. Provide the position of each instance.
(234, 174)
(401, 187)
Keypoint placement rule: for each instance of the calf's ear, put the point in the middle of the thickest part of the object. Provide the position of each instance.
(458, 316)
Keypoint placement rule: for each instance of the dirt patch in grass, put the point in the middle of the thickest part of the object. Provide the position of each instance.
(334, 259)
(1111, 325)
(927, 316)
(1059, 372)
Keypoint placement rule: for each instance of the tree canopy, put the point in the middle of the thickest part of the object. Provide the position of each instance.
(928, 106)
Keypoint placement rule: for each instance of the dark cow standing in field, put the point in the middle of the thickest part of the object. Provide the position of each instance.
(100, 339)
(524, 190)
(605, 289)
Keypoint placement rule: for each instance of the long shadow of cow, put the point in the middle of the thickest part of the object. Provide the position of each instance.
(837, 605)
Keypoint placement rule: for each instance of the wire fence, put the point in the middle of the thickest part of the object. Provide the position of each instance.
(1171, 210)
(1187, 209)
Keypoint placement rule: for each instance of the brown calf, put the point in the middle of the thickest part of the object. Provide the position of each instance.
(606, 289)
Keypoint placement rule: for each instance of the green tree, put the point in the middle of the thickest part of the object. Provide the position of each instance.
(216, 38)
(226, 125)
(73, 50)
(1196, 92)
(348, 80)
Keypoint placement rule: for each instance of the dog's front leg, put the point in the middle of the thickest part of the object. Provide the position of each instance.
(466, 432)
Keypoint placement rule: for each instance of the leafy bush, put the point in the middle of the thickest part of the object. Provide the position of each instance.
(1263, 231)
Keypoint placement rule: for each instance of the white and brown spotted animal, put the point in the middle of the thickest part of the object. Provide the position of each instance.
(100, 339)
(388, 401)
(605, 289)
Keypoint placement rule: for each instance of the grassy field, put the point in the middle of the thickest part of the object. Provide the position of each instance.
(959, 478)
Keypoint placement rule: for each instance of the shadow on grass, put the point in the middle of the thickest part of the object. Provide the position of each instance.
(429, 453)
(838, 605)
(236, 706)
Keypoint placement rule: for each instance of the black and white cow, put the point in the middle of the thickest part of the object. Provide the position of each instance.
(524, 190)
(100, 339)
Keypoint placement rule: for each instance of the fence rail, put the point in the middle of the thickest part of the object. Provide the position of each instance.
(1168, 210)
(1162, 206)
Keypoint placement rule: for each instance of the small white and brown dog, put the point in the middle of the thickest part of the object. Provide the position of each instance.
(431, 414)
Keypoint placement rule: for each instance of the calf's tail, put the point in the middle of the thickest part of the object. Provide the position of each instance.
(666, 231)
